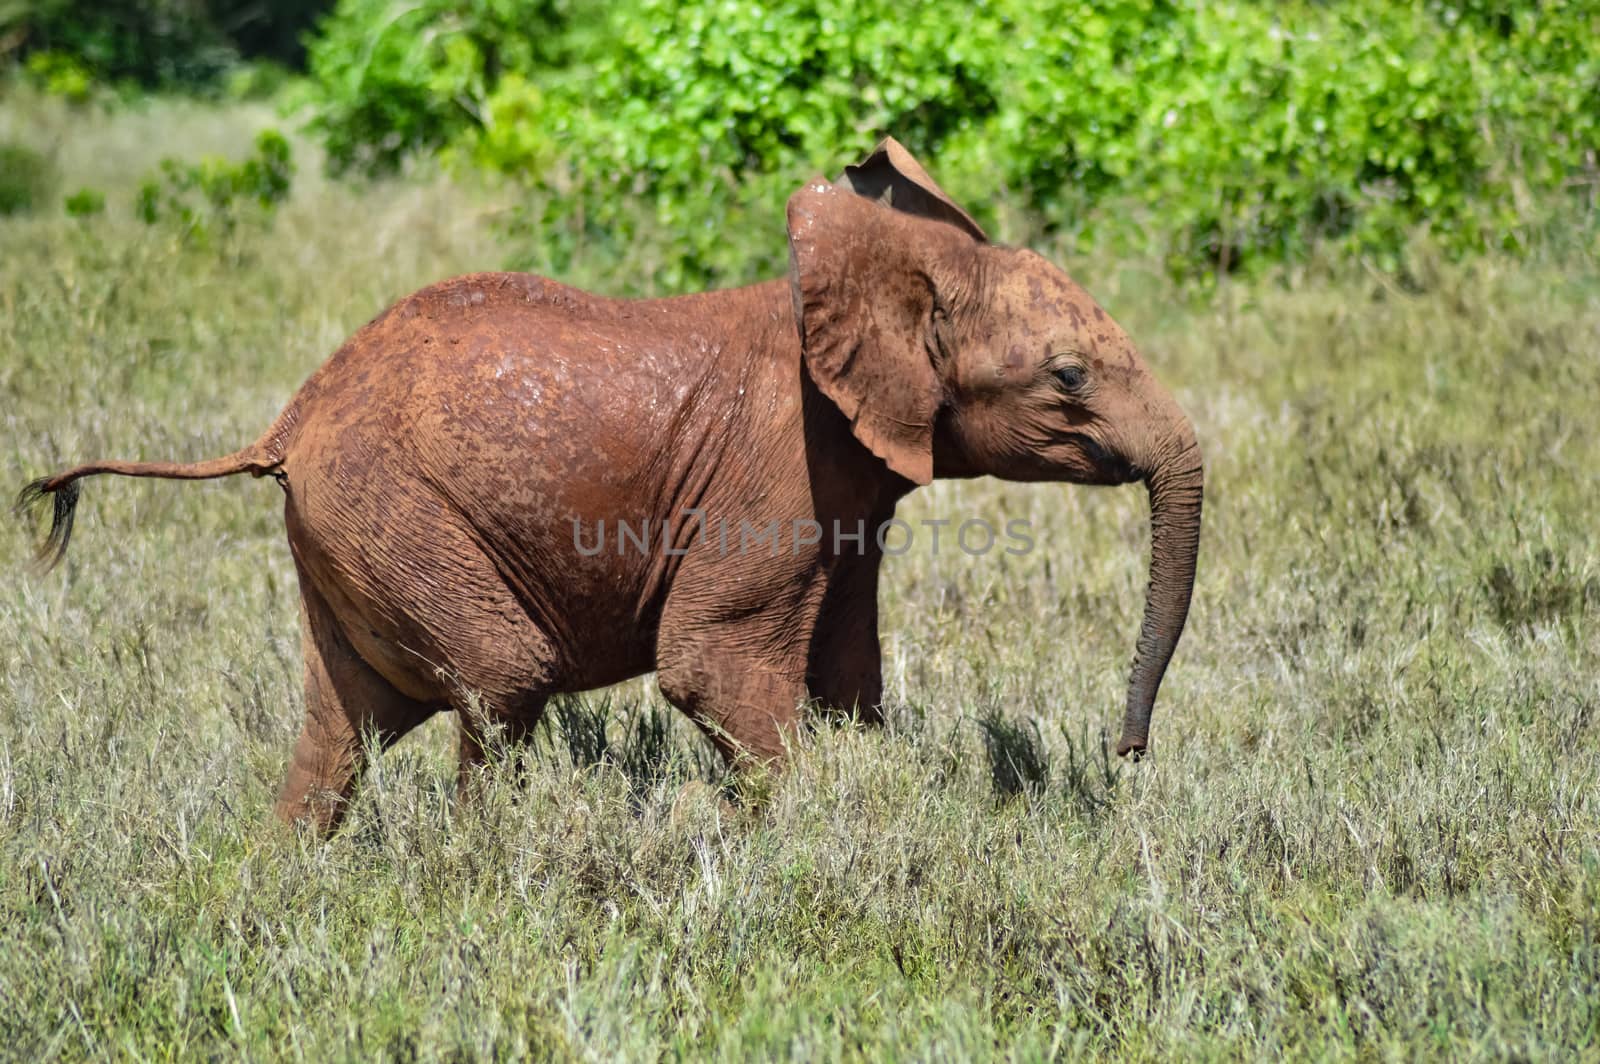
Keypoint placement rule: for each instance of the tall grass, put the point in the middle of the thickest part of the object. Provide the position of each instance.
(1371, 826)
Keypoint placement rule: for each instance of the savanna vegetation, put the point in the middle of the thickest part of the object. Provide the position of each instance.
(1371, 824)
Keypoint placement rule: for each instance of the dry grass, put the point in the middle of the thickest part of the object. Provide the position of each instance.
(1371, 828)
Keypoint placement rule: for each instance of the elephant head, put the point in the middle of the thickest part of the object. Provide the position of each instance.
(952, 356)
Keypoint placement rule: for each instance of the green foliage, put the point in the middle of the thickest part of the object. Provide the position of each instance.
(213, 194)
(72, 44)
(255, 80)
(154, 42)
(26, 177)
(85, 203)
(1217, 134)
(60, 74)
(396, 76)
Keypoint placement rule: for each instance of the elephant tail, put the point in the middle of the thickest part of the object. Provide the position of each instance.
(261, 458)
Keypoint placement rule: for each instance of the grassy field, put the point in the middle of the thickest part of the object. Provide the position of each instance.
(1371, 827)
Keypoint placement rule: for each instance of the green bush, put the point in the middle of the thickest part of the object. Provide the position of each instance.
(85, 203)
(398, 76)
(26, 177)
(1221, 134)
(70, 44)
(203, 198)
(60, 74)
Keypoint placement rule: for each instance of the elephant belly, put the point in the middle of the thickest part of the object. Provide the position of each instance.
(435, 605)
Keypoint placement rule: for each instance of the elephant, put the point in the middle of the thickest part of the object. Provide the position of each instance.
(446, 472)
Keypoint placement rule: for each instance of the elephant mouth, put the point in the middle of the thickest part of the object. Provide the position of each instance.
(1113, 468)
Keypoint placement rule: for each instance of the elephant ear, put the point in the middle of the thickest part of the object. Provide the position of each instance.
(892, 175)
(861, 276)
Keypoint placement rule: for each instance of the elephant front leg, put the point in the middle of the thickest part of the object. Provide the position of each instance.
(844, 663)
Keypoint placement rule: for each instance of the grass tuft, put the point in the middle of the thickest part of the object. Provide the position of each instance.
(1017, 763)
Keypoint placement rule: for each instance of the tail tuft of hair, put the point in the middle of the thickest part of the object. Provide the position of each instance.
(65, 500)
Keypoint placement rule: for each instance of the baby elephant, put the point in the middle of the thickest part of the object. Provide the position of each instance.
(503, 488)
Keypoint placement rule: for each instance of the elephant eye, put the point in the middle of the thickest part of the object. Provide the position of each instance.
(1072, 377)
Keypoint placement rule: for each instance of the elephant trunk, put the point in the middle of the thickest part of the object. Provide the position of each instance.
(1176, 481)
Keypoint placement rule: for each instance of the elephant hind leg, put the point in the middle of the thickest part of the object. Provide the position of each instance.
(419, 619)
(346, 700)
